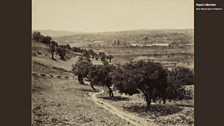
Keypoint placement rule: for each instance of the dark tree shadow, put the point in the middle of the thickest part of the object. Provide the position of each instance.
(51, 75)
(35, 74)
(43, 75)
(88, 90)
(66, 77)
(115, 98)
(54, 59)
(155, 109)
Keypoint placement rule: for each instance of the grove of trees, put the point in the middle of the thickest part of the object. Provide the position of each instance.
(55, 48)
(146, 77)
(62, 50)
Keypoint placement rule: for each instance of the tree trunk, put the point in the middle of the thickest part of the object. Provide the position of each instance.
(52, 55)
(92, 85)
(147, 97)
(80, 79)
(110, 92)
(164, 100)
(148, 101)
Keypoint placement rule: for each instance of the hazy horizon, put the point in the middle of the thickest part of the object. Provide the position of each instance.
(108, 31)
(112, 15)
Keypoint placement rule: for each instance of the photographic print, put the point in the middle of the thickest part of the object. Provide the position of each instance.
(113, 63)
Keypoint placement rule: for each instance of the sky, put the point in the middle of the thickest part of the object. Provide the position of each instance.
(111, 15)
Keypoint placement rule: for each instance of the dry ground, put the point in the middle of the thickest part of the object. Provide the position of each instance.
(57, 100)
(169, 114)
(60, 101)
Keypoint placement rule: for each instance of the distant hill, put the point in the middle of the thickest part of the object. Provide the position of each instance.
(53, 33)
(128, 36)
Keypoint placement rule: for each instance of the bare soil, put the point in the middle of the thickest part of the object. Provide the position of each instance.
(61, 101)
(179, 113)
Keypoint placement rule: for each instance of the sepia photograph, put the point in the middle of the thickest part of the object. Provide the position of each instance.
(113, 63)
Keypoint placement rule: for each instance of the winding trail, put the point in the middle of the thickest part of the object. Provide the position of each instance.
(134, 120)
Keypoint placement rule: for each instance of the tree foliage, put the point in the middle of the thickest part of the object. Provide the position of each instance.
(37, 36)
(91, 53)
(183, 76)
(102, 56)
(101, 75)
(177, 78)
(61, 51)
(82, 68)
(68, 46)
(53, 47)
(143, 76)
(76, 49)
(110, 58)
(85, 53)
(47, 40)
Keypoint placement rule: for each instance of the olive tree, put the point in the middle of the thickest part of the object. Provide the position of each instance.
(110, 58)
(62, 50)
(142, 76)
(101, 75)
(47, 40)
(37, 36)
(53, 47)
(177, 78)
(82, 68)
(102, 56)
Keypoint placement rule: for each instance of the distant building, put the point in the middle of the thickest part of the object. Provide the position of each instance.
(157, 44)
(97, 41)
(135, 45)
(149, 45)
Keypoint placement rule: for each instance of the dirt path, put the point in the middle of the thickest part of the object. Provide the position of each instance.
(137, 121)
(128, 117)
